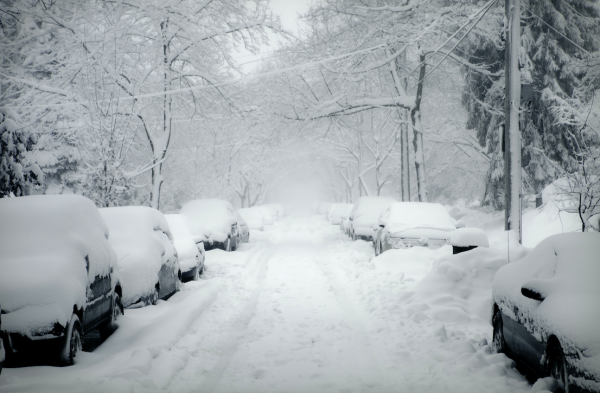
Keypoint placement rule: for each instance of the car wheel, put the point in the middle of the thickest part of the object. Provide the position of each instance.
(556, 367)
(73, 342)
(498, 343)
(156, 294)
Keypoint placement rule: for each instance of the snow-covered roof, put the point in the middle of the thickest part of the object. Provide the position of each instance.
(210, 217)
(144, 243)
(44, 243)
(187, 251)
(418, 215)
(466, 237)
(565, 270)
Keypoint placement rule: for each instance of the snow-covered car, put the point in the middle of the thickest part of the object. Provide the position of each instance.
(410, 224)
(243, 229)
(190, 256)
(322, 208)
(148, 262)
(253, 218)
(59, 277)
(265, 215)
(215, 219)
(546, 311)
(339, 212)
(276, 210)
(365, 215)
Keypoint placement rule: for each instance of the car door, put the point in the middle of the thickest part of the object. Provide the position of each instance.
(98, 300)
(523, 345)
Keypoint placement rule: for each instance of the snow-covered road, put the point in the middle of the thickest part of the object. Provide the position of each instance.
(299, 309)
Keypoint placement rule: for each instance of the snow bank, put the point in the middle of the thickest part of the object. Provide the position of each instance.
(466, 237)
(144, 243)
(411, 263)
(187, 251)
(565, 270)
(366, 212)
(459, 287)
(210, 217)
(44, 243)
(252, 217)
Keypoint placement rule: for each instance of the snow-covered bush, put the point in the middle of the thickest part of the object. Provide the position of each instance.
(15, 142)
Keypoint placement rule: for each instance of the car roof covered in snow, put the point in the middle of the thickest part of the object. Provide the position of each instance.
(565, 270)
(418, 215)
(44, 243)
(371, 206)
(143, 241)
(211, 217)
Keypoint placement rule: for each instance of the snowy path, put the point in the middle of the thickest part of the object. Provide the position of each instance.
(300, 309)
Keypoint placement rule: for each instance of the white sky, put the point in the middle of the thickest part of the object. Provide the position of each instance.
(288, 10)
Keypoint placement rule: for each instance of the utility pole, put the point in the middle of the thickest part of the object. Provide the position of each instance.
(512, 134)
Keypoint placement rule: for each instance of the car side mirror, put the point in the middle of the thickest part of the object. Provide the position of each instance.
(532, 294)
(350, 218)
(381, 226)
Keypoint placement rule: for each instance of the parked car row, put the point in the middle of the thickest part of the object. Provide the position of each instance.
(67, 268)
(390, 224)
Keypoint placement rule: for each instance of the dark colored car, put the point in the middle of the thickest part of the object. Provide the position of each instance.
(58, 277)
(546, 311)
(215, 220)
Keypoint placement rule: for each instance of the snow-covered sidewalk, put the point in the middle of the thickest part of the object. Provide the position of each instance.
(301, 309)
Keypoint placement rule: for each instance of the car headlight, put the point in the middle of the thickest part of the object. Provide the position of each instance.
(395, 242)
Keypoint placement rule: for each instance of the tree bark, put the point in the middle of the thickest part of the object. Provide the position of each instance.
(415, 115)
(404, 157)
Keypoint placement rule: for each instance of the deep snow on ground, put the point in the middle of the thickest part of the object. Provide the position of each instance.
(302, 309)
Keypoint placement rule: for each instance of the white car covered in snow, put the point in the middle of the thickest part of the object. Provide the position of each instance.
(189, 252)
(276, 210)
(409, 224)
(147, 257)
(338, 212)
(265, 214)
(546, 311)
(253, 218)
(243, 230)
(214, 219)
(58, 276)
(365, 215)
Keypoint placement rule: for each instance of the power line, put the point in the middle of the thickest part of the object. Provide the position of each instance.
(558, 32)
(579, 13)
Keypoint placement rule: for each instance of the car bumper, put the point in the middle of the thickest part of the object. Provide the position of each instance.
(189, 275)
(20, 348)
(400, 243)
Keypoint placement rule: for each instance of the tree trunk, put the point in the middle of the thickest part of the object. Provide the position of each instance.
(404, 157)
(415, 115)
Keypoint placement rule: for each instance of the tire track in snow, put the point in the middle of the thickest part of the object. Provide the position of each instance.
(211, 381)
(366, 362)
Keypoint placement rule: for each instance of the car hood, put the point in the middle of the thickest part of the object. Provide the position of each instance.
(35, 300)
(417, 233)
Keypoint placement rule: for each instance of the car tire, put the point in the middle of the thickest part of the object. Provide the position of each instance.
(73, 342)
(556, 366)
(498, 343)
(156, 295)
